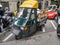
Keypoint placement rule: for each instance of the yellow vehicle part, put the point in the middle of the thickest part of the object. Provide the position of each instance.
(32, 0)
(30, 4)
(15, 13)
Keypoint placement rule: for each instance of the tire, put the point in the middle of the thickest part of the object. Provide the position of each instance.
(17, 37)
(58, 35)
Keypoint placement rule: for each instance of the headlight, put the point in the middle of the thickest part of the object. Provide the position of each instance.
(24, 28)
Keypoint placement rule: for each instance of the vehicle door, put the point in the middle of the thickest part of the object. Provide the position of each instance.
(32, 22)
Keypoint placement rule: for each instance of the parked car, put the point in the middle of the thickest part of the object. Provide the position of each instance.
(52, 12)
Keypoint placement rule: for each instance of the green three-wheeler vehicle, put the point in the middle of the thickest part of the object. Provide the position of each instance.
(27, 22)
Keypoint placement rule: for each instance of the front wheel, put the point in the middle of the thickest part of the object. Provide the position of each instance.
(17, 37)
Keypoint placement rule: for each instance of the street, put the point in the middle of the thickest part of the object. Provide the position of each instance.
(49, 37)
(29, 22)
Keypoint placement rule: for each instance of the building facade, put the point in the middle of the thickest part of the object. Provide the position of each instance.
(11, 4)
(14, 4)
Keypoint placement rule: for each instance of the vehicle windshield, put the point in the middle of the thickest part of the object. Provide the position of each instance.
(51, 8)
(22, 17)
(24, 13)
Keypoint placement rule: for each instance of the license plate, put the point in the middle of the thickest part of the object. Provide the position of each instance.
(16, 32)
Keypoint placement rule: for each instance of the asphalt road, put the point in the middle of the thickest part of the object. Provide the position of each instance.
(46, 37)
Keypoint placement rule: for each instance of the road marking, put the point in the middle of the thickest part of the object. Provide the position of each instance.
(43, 29)
(7, 37)
(2, 32)
(53, 25)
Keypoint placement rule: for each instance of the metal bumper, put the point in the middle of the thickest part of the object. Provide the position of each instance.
(16, 30)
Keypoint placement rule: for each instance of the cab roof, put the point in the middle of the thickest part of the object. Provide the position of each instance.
(30, 4)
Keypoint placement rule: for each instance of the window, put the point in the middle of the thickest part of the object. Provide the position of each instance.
(32, 15)
(24, 13)
(5, 4)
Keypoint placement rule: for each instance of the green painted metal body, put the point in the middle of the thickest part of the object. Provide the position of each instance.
(22, 22)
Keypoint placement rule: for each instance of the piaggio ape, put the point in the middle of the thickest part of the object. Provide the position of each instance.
(28, 19)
